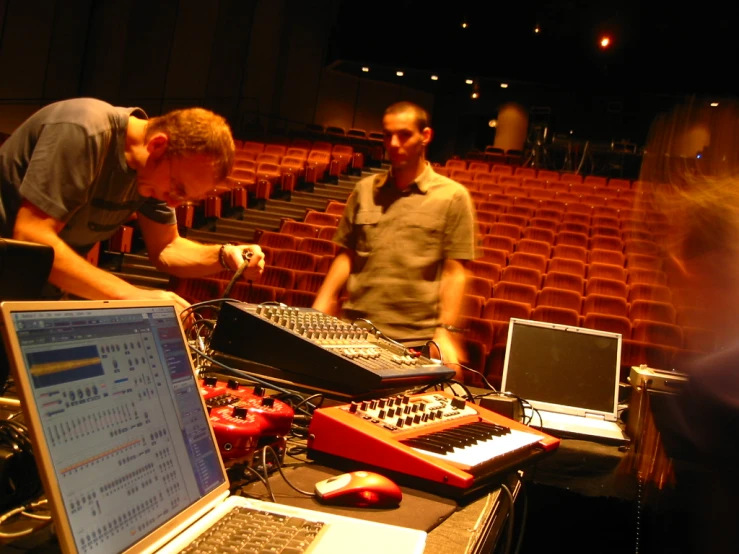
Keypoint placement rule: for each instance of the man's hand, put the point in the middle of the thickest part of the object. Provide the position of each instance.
(235, 254)
(448, 344)
(181, 305)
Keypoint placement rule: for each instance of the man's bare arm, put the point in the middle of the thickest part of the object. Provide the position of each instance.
(176, 255)
(453, 278)
(71, 272)
(328, 295)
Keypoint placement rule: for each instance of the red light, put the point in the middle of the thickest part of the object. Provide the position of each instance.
(605, 42)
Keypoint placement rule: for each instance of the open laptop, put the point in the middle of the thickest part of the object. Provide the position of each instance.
(122, 439)
(569, 374)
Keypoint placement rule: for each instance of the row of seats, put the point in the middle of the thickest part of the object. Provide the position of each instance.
(202, 289)
(490, 325)
(596, 197)
(544, 175)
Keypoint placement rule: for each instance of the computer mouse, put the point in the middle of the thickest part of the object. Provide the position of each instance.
(360, 489)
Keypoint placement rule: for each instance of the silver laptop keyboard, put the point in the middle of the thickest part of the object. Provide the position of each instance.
(249, 531)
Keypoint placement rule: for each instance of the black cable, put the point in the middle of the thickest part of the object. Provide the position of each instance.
(23, 480)
(487, 383)
(247, 255)
(467, 391)
(269, 449)
(307, 401)
(263, 480)
(524, 516)
(245, 375)
(509, 527)
(266, 474)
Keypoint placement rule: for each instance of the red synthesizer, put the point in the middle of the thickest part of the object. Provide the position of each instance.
(431, 441)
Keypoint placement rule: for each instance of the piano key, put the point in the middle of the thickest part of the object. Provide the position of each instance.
(503, 443)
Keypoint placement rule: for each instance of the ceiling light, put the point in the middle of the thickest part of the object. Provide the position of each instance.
(365, 69)
(399, 73)
(464, 24)
(537, 29)
(493, 123)
(503, 85)
(605, 42)
(475, 95)
(468, 81)
(714, 104)
(434, 77)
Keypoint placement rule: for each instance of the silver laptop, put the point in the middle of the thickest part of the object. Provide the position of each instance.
(569, 374)
(123, 442)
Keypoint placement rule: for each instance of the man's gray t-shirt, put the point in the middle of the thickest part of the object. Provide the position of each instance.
(401, 239)
(68, 160)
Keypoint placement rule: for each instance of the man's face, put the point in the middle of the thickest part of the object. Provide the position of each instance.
(176, 180)
(404, 141)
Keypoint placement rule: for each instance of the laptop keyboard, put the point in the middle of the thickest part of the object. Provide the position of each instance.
(248, 531)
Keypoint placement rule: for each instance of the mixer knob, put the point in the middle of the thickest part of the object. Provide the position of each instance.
(409, 420)
(416, 419)
(353, 408)
(239, 412)
(233, 384)
(268, 402)
(363, 406)
(210, 381)
(258, 390)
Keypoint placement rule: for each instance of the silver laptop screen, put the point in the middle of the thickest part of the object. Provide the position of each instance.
(122, 419)
(563, 366)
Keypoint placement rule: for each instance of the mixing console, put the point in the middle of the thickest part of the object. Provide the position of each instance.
(340, 356)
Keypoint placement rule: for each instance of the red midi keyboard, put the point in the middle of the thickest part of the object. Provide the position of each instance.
(431, 441)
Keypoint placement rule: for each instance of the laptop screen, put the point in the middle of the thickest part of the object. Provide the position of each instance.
(121, 416)
(562, 366)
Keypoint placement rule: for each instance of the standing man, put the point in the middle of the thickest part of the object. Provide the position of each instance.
(76, 170)
(405, 236)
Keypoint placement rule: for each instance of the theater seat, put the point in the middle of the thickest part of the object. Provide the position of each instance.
(551, 314)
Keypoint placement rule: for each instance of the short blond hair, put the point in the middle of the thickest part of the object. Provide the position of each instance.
(197, 131)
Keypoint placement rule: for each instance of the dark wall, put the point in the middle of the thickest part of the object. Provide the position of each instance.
(236, 57)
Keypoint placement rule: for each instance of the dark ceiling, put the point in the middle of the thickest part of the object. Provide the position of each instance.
(658, 47)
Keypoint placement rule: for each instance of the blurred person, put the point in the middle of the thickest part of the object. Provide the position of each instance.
(691, 170)
(78, 169)
(405, 236)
